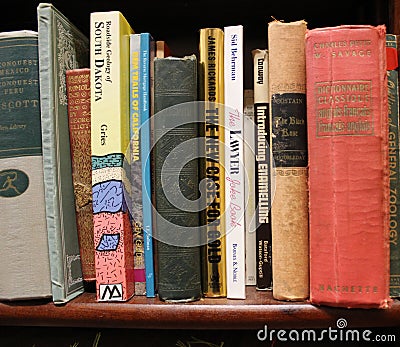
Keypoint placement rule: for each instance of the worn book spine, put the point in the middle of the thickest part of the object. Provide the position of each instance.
(176, 153)
(394, 161)
(58, 37)
(249, 187)
(136, 165)
(347, 117)
(24, 256)
(211, 86)
(234, 163)
(146, 78)
(78, 98)
(289, 213)
(263, 170)
(110, 140)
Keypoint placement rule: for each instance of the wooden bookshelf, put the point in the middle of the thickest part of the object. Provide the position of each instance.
(142, 313)
(259, 308)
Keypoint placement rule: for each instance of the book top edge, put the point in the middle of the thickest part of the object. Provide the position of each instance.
(351, 27)
(18, 33)
(294, 23)
(186, 57)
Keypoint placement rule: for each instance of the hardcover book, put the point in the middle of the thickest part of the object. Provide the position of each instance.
(78, 99)
(234, 163)
(61, 47)
(347, 117)
(211, 88)
(394, 160)
(110, 140)
(24, 255)
(147, 54)
(289, 212)
(136, 165)
(176, 153)
(249, 187)
(263, 170)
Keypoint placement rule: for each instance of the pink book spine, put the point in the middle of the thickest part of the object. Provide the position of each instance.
(347, 119)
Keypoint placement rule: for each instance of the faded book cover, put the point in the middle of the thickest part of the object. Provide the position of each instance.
(78, 98)
(61, 47)
(211, 89)
(110, 140)
(176, 153)
(262, 170)
(289, 213)
(24, 255)
(394, 178)
(347, 115)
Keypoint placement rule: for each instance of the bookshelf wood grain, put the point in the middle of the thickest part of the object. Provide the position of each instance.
(142, 313)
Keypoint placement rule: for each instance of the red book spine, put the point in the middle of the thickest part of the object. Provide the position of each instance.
(78, 94)
(347, 115)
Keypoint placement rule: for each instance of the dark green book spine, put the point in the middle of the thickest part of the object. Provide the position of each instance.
(393, 112)
(176, 152)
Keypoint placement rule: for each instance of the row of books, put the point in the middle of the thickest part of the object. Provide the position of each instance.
(112, 140)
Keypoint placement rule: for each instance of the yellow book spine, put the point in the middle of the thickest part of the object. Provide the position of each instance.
(212, 92)
(109, 61)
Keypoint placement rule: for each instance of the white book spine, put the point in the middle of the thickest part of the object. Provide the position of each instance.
(249, 188)
(234, 159)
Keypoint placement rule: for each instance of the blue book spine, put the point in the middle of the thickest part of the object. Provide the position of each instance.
(147, 53)
(136, 166)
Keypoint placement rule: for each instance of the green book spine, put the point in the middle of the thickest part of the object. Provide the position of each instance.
(176, 152)
(23, 221)
(61, 46)
(393, 110)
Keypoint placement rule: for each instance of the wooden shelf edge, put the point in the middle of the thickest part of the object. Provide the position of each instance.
(143, 313)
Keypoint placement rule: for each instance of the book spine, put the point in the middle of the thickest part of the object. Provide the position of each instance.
(59, 37)
(23, 218)
(394, 160)
(212, 92)
(78, 96)
(289, 213)
(347, 118)
(176, 154)
(147, 53)
(263, 170)
(136, 167)
(110, 136)
(234, 163)
(249, 188)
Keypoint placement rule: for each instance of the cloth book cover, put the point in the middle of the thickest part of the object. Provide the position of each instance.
(347, 117)
(61, 47)
(78, 98)
(394, 160)
(289, 212)
(176, 153)
(110, 140)
(24, 256)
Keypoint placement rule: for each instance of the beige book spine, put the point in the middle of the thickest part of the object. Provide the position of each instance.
(290, 255)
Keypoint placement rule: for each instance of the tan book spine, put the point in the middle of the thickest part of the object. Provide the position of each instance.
(289, 214)
(212, 92)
